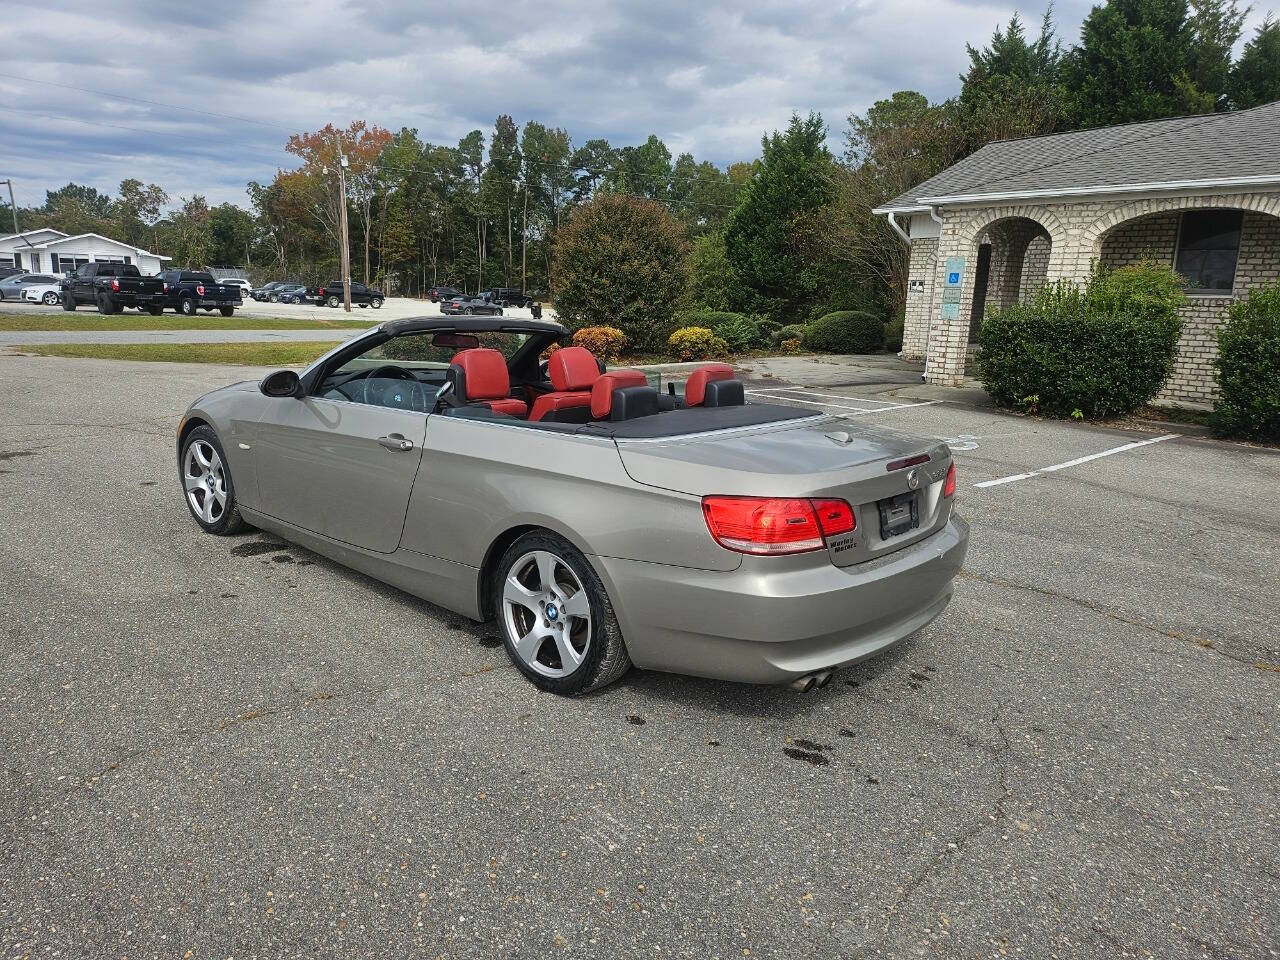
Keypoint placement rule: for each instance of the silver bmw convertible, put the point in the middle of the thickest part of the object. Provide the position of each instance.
(484, 466)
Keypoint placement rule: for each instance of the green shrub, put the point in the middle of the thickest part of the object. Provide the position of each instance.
(893, 334)
(739, 331)
(792, 331)
(713, 283)
(1248, 369)
(1103, 351)
(621, 261)
(696, 343)
(846, 331)
(607, 343)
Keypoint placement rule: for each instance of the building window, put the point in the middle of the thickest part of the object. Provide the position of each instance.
(1208, 244)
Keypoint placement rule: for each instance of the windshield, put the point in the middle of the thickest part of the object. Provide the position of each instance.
(418, 351)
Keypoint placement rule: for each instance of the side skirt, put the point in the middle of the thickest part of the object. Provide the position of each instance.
(454, 586)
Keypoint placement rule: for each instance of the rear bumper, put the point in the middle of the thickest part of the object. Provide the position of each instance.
(759, 624)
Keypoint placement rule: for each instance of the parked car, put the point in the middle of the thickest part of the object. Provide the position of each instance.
(436, 294)
(49, 293)
(470, 306)
(263, 293)
(12, 287)
(289, 293)
(506, 297)
(246, 288)
(331, 294)
(759, 543)
(112, 287)
(190, 290)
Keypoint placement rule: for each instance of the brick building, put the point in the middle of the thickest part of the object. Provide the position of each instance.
(1199, 193)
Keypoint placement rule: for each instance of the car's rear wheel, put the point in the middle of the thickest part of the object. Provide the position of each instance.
(333, 301)
(227, 311)
(206, 483)
(376, 303)
(556, 619)
(107, 305)
(187, 307)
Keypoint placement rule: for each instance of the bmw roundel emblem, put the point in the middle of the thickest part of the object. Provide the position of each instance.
(552, 612)
(399, 399)
(913, 479)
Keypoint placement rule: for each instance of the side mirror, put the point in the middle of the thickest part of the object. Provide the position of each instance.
(282, 383)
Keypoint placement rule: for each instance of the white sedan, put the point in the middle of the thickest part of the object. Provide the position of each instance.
(47, 293)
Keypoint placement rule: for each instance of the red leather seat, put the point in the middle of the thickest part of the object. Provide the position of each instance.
(695, 388)
(480, 378)
(572, 371)
(606, 383)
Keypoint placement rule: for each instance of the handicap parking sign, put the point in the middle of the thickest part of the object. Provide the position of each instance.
(953, 277)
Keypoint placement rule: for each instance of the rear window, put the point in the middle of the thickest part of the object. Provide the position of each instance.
(199, 277)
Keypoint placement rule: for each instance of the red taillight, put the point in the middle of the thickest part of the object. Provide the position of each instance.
(322, 291)
(115, 284)
(949, 485)
(774, 526)
(834, 517)
(166, 286)
(199, 289)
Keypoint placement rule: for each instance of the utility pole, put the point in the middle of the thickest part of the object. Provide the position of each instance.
(12, 206)
(346, 240)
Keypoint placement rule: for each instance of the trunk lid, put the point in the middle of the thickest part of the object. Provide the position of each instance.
(815, 457)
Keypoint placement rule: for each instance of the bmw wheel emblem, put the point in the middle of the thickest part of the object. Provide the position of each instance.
(552, 612)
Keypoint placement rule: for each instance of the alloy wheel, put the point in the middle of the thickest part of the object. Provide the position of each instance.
(546, 613)
(205, 481)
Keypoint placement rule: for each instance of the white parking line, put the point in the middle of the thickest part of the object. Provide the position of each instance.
(829, 396)
(1077, 461)
(778, 395)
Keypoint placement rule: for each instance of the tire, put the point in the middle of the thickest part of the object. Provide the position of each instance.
(223, 517)
(107, 305)
(49, 299)
(275, 298)
(227, 311)
(333, 301)
(68, 303)
(376, 303)
(467, 311)
(187, 307)
(595, 636)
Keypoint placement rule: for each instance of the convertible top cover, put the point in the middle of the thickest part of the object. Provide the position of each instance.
(676, 423)
(397, 328)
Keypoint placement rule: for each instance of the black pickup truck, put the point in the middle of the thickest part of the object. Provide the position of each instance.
(112, 286)
(331, 294)
(190, 290)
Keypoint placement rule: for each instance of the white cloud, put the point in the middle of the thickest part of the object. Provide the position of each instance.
(709, 78)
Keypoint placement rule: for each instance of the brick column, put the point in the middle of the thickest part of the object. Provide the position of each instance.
(924, 254)
(949, 339)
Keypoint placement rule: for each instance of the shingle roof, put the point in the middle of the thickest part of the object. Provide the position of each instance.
(1219, 146)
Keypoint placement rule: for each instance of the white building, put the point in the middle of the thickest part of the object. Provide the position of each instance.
(52, 251)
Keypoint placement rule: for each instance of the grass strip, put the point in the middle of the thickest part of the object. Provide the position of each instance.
(291, 354)
(77, 321)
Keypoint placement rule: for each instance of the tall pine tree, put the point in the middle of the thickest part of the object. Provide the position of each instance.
(1255, 78)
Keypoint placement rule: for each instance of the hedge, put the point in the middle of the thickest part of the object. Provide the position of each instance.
(696, 343)
(607, 343)
(1102, 351)
(846, 331)
(1248, 369)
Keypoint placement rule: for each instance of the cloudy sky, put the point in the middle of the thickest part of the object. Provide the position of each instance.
(706, 77)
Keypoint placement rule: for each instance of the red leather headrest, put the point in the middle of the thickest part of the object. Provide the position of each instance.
(606, 383)
(486, 373)
(695, 389)
(572, 368)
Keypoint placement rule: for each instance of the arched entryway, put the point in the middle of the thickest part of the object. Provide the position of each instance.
(1011, 261)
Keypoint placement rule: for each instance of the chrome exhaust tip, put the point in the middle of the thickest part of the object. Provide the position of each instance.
(824, 677)
(803, 684)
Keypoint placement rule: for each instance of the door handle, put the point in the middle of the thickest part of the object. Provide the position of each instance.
(396, 442)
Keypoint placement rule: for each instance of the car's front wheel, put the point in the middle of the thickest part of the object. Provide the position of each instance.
(376, 303)
(556, 619)
(333, 301)
(206, 483)
(50, 298)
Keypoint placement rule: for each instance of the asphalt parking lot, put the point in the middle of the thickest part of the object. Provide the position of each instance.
(233, 747)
